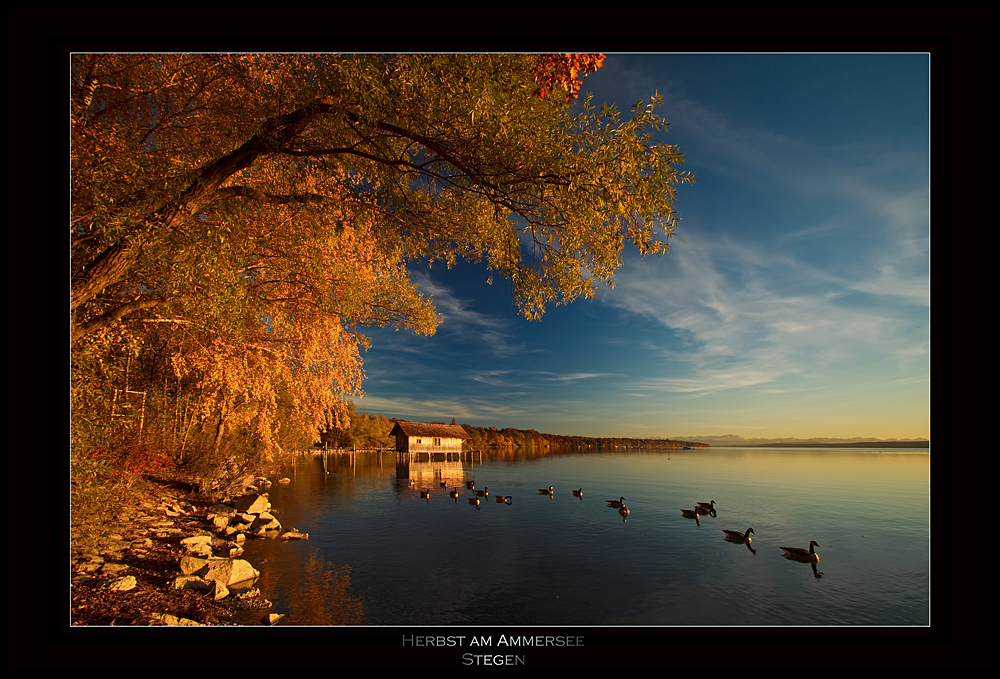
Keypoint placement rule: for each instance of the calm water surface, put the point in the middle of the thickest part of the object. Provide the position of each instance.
(379, 554)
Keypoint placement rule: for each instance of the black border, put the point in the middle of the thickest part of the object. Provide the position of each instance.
(960, 43)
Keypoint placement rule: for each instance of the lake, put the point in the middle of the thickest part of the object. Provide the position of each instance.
(380, 554)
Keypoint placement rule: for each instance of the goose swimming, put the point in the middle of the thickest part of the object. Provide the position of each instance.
(620, 502)
(545, 491)
(736, 536)
(706, 507)
(799, 554)
(689, 513)
(578, 493)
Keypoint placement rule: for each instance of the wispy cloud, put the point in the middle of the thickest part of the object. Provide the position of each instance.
(740, 324)
(458, 318)
(573, 377)
(437, 408)
(529, 378)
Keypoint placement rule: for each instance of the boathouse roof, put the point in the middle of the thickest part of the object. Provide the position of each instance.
(444, 431)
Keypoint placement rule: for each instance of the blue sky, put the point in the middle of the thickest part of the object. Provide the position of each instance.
(794, 300)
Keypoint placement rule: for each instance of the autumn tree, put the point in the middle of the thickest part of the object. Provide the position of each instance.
(258, 211)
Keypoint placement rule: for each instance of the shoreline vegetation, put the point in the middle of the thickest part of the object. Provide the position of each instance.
(372, 432)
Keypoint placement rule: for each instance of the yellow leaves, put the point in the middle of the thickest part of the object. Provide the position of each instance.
(398, 158)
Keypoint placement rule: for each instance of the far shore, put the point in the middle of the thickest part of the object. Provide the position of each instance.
(853, 444)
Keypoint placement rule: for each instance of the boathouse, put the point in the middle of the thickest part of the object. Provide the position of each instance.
(420, 437)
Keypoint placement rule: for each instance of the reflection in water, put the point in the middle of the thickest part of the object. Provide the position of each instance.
(436, 470)
(363, 513)
(320, 595)
(740, 538)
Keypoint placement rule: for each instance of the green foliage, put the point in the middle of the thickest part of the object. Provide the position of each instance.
(361, 431)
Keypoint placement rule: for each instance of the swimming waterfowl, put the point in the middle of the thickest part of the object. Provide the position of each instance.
(578, 493)
(471, 485)
(736, 536)
(689, 513)
(500, 499)
(620, 502)
(624, 511)
(799, 554)
(444, 485)
(483, 493)
(426, 493)
(474, 501)
(546, 491)
(706, 507)
(454, 493)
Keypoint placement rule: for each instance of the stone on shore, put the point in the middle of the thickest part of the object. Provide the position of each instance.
(217, 590)
(272, 618)
(122, 584)
(174, 621)
(190, 582)
(226, 571)
(251, 504)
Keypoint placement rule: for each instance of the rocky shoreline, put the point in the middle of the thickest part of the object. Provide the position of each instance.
(173, 560)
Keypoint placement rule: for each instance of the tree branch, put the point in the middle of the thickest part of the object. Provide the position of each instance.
(106, 319)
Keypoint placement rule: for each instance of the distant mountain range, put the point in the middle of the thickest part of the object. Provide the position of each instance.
(820, 442)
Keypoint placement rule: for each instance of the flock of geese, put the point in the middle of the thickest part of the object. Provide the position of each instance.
(794, 553)
(700, 509)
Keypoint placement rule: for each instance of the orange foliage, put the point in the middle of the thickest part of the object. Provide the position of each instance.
(564, 70)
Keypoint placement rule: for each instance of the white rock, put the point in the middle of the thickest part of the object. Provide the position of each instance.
(230, 571)
(190, 582)
(217, 590)
(251, 504)
(191, 565)
(174, 621)
(123, 584)
(197, 540)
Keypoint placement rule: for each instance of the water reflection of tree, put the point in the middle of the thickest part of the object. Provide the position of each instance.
(322, 597)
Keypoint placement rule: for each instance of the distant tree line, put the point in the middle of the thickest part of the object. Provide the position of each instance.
(372, 431)
(491, 437)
